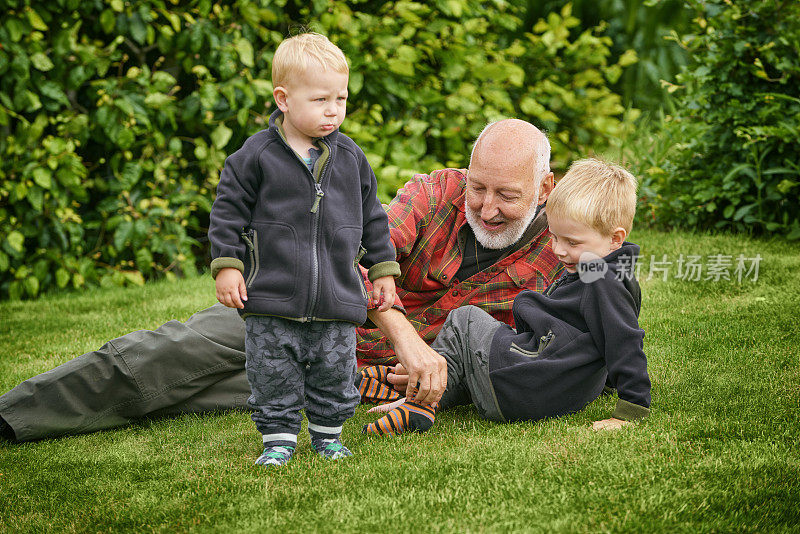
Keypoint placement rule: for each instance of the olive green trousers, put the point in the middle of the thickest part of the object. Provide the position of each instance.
(191, 367)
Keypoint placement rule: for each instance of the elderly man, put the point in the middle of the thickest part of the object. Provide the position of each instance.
(473, 237)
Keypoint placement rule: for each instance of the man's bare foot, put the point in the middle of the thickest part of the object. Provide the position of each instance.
(385, 408)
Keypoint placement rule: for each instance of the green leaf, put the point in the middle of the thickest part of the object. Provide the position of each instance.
(125, 138)
(131, 172)
(122, 234)
(629, 57)
(245, 51)
(144, 260)
(134, 277)
(137, 28)
(41, 62)
(264, 87)
(15, 290)
(356, 82)
(31, 286)
(35, 20)
(221, 135)
(200, 149)
(157, 100)
(108, 20)
(16, 28)
(741, 212)
(43, 177)
(33, 101)
(401, 67)
(53, 91)
(728, 211)
(15, 240)
(4, 262)
(36, 198)
(78, 281)
(242, 116)
(62, 278)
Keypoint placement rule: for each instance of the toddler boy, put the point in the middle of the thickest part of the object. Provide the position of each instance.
(296, 213)
(570, 340)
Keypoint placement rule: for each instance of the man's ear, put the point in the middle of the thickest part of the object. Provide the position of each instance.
(545, 189)
(618, 237)
(279, 94)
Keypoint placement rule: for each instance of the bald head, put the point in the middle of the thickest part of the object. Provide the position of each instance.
(513, 146)
(508, 176)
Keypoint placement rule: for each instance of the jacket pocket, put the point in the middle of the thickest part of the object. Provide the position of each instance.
(361, 252)
(544, 341)
(275, 263)
(343, 257)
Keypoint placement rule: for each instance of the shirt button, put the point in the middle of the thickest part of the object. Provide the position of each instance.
(455, 293)
(444, 277)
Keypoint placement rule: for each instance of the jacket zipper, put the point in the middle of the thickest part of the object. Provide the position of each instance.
(251, 239)
(552, 287)
(318, 194)
(316, 223)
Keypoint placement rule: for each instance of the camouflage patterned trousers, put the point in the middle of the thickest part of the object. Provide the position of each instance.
(292, 365)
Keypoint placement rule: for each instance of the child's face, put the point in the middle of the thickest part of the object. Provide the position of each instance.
(313, 103)
(570, 239)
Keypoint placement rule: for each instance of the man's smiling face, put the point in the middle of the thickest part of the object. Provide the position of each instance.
(499, 206)
(508, 176)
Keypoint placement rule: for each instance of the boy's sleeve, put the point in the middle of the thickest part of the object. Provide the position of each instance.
(231, 211)
(411, 209)
(380, 257)
(611, 317)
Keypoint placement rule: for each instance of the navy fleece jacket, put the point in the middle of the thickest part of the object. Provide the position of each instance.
(569, 340)
(298, 236)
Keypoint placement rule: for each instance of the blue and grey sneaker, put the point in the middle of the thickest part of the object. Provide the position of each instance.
(331, 449)
(275, 455)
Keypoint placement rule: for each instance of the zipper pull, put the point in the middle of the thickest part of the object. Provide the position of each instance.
(248, 238)
(320, 194)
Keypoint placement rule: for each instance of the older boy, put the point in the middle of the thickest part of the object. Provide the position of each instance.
(296, 211)
(581, 332)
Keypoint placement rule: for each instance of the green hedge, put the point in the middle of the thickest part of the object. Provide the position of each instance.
(116, 117)
(735, 164)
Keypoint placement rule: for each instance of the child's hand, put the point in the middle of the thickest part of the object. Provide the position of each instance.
(231, 290)
(610, 424)
(383, 285)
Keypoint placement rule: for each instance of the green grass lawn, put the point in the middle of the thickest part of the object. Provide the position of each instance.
(718, 453)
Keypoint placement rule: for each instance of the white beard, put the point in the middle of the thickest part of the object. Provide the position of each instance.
(499, 240)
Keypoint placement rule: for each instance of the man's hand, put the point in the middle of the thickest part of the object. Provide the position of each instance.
(383, 286)
(427, 370)
(398, 378)
(610, 424)
(231, 290)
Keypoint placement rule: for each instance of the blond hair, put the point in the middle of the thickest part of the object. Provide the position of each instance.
(296, 54)
(598, 194)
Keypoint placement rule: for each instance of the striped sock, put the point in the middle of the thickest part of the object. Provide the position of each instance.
(408, 417)
(373, 384)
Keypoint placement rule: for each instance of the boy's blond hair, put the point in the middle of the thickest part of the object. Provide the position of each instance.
(299, 53)
(598, 194)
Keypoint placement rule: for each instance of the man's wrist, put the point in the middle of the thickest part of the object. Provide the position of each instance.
(393, 324)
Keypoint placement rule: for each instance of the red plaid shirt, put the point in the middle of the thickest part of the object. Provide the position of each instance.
(424, 220)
